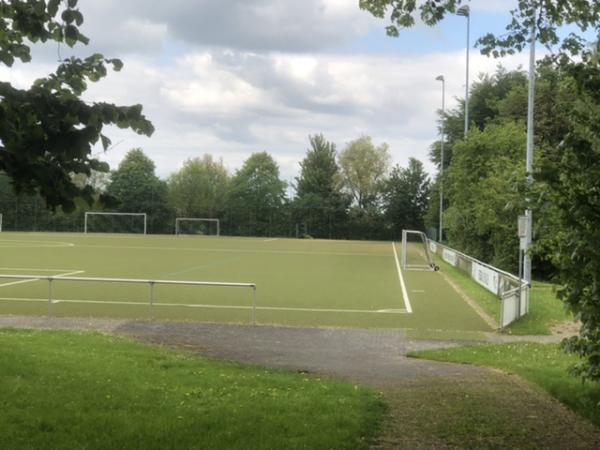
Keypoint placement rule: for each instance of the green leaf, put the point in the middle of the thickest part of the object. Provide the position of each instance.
(71, 35)
(53, 7)
(105, 142)
(117, 64)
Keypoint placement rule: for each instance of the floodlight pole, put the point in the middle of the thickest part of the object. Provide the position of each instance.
(465, 11)
(440, 236)
(529, 158)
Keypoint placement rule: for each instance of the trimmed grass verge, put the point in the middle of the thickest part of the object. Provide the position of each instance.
(545, 309)
(545, 365)
(64, 390)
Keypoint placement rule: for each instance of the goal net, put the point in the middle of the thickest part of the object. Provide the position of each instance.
(105, 222)
(197, 226)
(415, 251)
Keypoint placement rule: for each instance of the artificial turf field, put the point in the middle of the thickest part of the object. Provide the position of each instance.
(299, 282)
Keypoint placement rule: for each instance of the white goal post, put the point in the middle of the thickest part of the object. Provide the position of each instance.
(94, 213)
(415, 251)
(180, 220)
(0, 221)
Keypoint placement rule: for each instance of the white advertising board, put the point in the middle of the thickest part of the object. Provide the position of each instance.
(432, 247)
(449, 256)
(485, 277)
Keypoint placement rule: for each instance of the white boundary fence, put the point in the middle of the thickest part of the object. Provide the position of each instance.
(94, 213)
(513, 293)
(178, 220)
(150, 283)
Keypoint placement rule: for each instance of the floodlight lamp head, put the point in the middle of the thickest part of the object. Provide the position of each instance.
(464, 11)
(440, 78)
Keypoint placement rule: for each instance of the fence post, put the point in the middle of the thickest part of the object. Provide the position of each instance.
(151, 298)
(49, 296)
(254, 305)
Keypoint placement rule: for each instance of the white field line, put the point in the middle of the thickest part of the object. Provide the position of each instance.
(236, 250)
(187, 305)
(33, 244)
(65, 274)
(36, 269)
(402, 284)
(271, 240)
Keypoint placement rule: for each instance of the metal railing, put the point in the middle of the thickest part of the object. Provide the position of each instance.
(512, 291)
(151, 283)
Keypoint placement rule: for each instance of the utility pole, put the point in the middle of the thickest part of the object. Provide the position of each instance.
(440, 235)
(465, 11)
(529, 158)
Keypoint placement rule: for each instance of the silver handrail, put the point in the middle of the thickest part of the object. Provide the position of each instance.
(151, 283)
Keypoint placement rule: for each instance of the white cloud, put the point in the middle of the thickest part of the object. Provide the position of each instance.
(264, 84)
(233, 106)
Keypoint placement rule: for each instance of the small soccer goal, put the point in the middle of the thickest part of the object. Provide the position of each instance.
(197, 226)
(415, 251)
(113, 222)
(0, 222)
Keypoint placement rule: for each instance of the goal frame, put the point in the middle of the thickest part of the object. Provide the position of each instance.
(178, 220)
(97, 213)
(430, 265)
(0, 222)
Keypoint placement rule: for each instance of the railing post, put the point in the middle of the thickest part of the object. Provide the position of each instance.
(49, 296)
(254, 305)
(151, 298)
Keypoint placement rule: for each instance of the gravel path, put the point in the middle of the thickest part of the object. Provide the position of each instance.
(374, 357)
(370, 356)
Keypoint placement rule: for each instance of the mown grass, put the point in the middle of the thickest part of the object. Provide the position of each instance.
(546, 365)
(545, 309)
(65, 390)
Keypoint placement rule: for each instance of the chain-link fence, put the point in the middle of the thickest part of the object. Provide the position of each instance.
(31, 214)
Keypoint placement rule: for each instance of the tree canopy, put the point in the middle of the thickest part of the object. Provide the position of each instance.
(406, 197)
(547, 16)
(363, 167)
(199, 188)
(138, 190)
(568, 142)
(47, 132)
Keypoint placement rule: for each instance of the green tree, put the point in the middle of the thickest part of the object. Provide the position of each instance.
(320, 203)
(47, 131)
(500, 96)
(363, 168)
(406, 197)
(137, 188)
(256, 196)
(199, 188)
(549, 16)
(570, 174)
(485, 185)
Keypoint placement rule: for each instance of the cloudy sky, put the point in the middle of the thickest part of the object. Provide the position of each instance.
(231, 77)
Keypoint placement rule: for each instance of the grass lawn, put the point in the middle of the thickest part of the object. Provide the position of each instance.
(65, 390)
(545, 309)
(546, 365)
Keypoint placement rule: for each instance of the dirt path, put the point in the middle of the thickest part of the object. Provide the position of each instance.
(485, 408)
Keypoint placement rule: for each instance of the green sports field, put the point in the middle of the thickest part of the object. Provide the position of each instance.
(299, 282)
